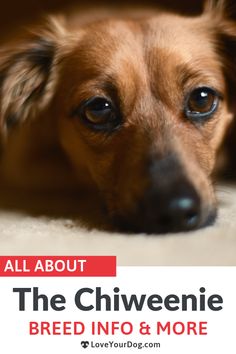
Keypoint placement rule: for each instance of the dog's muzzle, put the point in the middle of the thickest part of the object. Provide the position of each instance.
(169, 204)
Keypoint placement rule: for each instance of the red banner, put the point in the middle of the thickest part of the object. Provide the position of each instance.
(56, 266)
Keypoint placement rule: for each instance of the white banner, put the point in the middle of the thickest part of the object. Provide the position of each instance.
(144, 309)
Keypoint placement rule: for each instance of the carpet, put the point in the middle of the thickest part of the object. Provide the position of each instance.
(40, 229)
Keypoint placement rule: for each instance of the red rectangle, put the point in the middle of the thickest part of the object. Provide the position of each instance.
(57, 266)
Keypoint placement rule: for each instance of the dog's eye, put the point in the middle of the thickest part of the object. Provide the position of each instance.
(201, 103)
(99, 114)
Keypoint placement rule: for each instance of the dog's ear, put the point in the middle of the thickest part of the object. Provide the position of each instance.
(227, 8)
(222, 13)
(27, 73)
(221, 19)
(221, 22)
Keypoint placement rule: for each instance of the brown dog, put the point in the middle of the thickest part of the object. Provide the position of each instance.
(138, 105)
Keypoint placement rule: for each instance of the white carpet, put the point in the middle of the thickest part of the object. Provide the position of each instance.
(24, 233)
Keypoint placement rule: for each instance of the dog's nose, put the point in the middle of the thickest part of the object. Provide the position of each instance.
(180, 214)
(173, 209)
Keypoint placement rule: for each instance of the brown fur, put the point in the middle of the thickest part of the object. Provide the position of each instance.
(147, 65)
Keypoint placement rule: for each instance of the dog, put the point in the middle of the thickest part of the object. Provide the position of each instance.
(132, 106)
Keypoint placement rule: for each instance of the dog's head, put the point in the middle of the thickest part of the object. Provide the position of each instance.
(141, 108)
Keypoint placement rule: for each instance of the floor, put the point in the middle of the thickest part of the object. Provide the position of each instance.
(23, 233)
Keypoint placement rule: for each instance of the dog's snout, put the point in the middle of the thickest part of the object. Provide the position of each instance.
(171, 201)
(174, 209)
